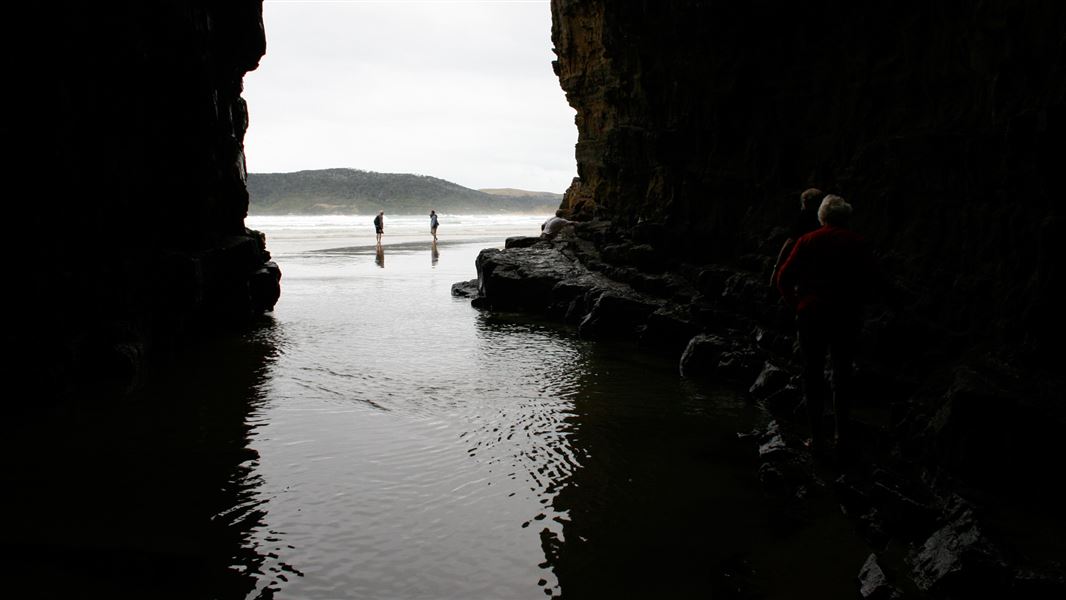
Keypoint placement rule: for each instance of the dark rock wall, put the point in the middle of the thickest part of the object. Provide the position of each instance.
(123, 129)
(943, 122)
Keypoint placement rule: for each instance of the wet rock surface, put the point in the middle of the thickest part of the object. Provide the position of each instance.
(465, 289)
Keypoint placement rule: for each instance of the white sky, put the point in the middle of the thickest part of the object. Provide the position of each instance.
(461, 90)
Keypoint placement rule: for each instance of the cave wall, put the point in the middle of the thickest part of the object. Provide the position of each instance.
(124, 165)
(942, 122)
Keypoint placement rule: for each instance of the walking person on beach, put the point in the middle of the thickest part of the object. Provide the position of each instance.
(379, 225)
(433, 224)
(828, 276)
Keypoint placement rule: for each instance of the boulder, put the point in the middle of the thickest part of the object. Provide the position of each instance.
(465, 289)
(619, 314)
(522, 278)
(520, 242)
(702, 354)
(723, 356)
(739, 365)
(959, 561)
(572, 299)
(783, 472)
(769, 381)
(265, 287)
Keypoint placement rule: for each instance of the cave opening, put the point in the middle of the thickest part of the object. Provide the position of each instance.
(459, 91)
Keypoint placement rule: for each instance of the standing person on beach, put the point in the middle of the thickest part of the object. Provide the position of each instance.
(379, 225)
(433, 224)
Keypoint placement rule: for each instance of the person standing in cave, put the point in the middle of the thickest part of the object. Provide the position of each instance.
(806, 222)
(828, 276)
(433, 224)
(379, 225)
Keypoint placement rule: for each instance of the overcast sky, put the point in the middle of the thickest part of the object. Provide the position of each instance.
(461, 90)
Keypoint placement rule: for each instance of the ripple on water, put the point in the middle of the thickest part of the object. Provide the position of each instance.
(413, 481)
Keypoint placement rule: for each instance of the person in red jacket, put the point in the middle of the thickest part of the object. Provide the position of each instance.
(828, 277)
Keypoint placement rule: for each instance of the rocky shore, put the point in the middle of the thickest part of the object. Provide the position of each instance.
(949, 452)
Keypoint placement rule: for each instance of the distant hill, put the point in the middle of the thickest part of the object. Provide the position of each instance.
(520, 193)
(351, 191)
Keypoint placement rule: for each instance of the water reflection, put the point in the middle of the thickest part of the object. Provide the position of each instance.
(150, 497)
(434, 254)
(645, 488)
(534, 433)
(665, 493)
(379, 256)
(666, 502)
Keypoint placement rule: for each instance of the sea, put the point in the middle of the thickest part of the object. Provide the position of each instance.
(376, 437)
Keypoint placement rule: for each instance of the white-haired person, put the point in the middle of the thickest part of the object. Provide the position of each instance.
(828, 276)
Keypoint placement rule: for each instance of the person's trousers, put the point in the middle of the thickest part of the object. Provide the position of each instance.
(834, 335)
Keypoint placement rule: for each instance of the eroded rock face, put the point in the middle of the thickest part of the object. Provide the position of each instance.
(123, 148)
(944, 127)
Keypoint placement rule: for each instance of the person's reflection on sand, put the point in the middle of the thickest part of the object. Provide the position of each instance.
(379, 258)
(433, 253)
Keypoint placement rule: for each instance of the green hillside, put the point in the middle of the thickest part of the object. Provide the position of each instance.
(350, 191)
